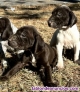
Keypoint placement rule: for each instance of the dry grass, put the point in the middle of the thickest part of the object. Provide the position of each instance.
(38, 16)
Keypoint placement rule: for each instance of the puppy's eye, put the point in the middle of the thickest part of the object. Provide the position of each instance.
(59, 15)
(23, 36)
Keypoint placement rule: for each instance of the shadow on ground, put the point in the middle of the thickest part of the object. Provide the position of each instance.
(28, 13)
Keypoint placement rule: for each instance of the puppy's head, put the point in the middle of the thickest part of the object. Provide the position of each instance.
(5, 28)
(25, 38)
(62, 16)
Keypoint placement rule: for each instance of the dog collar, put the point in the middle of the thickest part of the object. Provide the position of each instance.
(64, 28)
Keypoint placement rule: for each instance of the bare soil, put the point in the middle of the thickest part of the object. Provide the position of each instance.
(38, 16)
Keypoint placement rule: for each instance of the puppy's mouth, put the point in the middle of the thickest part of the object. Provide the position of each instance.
(51, 24)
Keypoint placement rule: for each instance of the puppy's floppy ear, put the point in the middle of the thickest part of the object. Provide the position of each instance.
(73, 18)
(7, 32)
(39, 44)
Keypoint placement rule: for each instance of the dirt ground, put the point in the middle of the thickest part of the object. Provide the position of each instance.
(38, 16)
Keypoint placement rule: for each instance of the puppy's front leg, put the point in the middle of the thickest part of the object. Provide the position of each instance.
(76, 52)
(19, 65)
(59, 47)
(4, 48)
(12, 71)
(48, 76)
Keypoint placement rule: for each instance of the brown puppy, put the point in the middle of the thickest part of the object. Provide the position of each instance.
(27, 38)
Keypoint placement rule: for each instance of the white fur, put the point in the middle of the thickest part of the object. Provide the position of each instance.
(68, 38)
(33, 60)
(13, 28)
(4, 62)
(4, 46)
(20, 51)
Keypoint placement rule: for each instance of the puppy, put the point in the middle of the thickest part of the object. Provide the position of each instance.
(27, 38)
(6, 30)
(67, 34)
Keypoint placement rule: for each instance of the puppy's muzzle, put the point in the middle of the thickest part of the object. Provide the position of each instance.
(52, 24)
(12, 42)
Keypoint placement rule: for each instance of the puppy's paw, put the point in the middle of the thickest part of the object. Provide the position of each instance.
(54, 69)
(50, 84)
(77, 62)
(60, 65)
(7, 55)
(3, 78)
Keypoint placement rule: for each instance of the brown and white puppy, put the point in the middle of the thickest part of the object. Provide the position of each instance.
(27, 38)
(6, 30)
(67, 34)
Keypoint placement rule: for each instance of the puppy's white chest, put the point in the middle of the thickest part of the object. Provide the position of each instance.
(68, 41)
(69, 37)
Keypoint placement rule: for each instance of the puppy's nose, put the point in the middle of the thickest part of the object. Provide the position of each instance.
(49, 23)
(9, 40)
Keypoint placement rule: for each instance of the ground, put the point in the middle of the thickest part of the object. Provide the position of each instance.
(38, 17)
